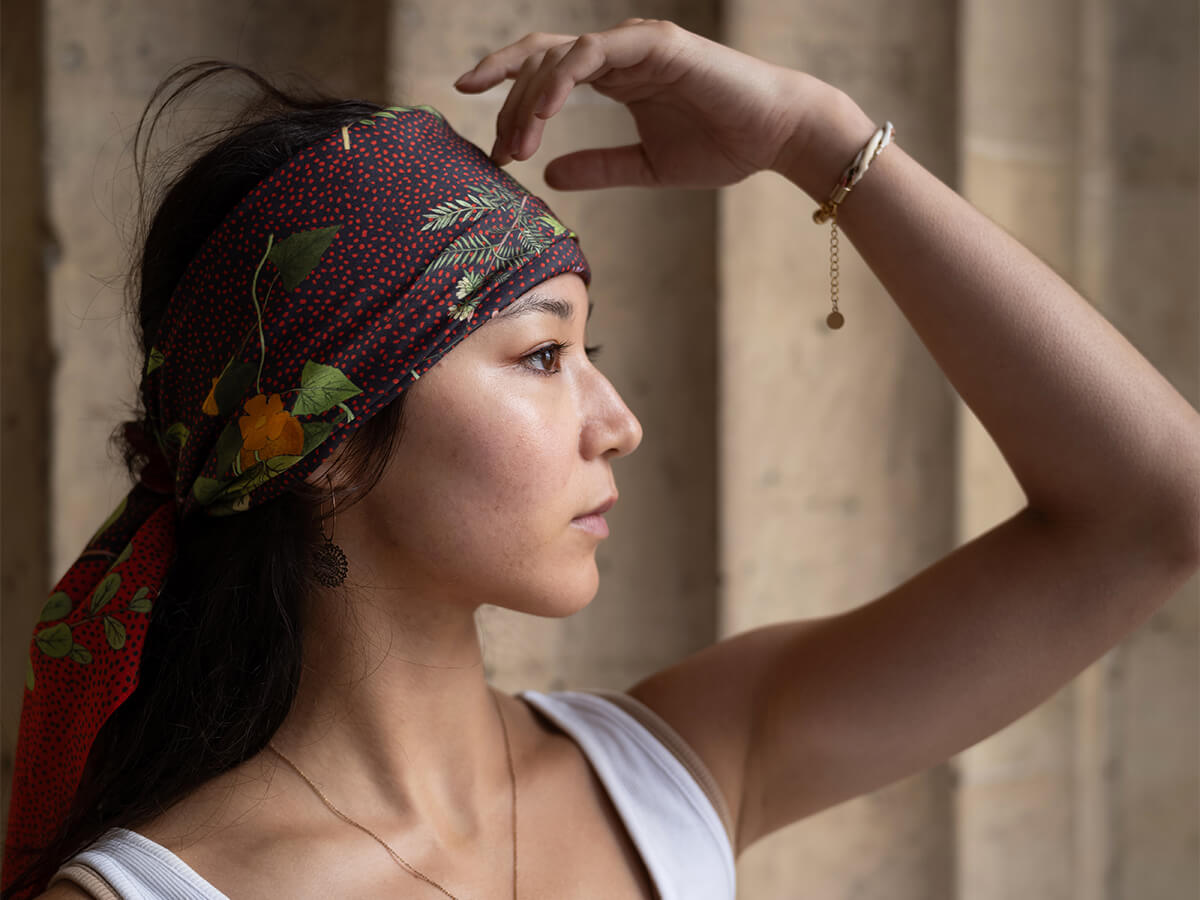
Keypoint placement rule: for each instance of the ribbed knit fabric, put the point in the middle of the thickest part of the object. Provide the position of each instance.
(669, 816)
(675, 826)
(137, 868)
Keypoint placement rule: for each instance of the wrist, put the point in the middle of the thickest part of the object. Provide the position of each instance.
(830, 128)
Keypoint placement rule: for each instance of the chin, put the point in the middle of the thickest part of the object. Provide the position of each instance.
(562, 596)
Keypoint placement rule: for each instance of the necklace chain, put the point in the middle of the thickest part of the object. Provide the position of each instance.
(413, 871)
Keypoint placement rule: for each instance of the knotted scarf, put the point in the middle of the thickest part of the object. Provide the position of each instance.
(327, 290)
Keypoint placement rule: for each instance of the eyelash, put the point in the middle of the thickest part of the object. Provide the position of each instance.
(558, 347)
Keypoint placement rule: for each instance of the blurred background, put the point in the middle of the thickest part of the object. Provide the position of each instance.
(787, 470)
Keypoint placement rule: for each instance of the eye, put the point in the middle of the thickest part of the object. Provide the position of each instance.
(554, 351)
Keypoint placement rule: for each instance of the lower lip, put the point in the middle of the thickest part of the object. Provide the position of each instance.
(594, 523)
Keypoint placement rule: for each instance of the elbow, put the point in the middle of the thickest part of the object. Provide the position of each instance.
(1188, 548)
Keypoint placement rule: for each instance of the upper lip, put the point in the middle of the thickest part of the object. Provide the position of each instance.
(602, 508)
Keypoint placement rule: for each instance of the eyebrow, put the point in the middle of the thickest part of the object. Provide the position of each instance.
(540, 303)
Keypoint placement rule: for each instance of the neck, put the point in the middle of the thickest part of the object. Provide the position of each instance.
(399, 732)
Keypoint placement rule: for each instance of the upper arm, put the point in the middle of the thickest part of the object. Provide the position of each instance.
(798, 717)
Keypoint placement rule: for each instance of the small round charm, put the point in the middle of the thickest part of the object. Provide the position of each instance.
(834, 319)
(331, 565)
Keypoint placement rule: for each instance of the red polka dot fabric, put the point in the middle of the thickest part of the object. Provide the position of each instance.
(332, 286)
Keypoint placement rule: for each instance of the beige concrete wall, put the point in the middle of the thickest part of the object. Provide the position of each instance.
(1080, 137)
(25, 366)
(654, 286)
(786, 470)
(837, 447)
(1139, 229)
(1020, 91)
(70, 113)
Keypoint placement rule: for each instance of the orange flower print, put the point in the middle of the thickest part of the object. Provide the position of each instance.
(210, 403)
(268, 429)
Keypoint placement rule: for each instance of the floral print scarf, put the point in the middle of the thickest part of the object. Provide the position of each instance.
(331, 287)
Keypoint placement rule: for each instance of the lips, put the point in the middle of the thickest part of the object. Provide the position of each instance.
(602, 508)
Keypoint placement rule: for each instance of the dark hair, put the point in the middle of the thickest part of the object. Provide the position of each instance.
(222, 657)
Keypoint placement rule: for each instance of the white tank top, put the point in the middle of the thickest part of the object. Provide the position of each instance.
(662, 791)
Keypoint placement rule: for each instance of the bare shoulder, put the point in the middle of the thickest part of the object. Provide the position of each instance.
(711, 697)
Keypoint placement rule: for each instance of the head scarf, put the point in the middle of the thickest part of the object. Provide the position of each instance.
(328, 289)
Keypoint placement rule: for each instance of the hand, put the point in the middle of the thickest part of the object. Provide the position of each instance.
(707, 115)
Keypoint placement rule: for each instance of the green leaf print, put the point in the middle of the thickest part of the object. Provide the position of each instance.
(206, 490)
(469, 208)
(424, 107)
(210, 491)
(125, 554)
(55, 641)
(321, 388)
(556, 226)
(260, 473)
(155, 360)
(468, 284)
(499, 248)
(81, 654)
(298, 254)
(315, 434)
(471, 249)
(105, 591)
(114, 633)
(228, 508)
(464, 310)
(178, 434)
(141, 602)
(232, 386)
(112, 517)
(56, 607)
(229, 446)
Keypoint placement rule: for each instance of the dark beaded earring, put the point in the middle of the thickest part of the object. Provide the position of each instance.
(330, 565)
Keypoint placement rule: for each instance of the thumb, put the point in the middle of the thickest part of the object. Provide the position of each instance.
(625, 166)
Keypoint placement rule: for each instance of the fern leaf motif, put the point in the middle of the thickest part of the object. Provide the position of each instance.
(520, 232)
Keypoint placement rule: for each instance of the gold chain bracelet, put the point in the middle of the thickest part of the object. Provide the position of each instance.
(827, 211)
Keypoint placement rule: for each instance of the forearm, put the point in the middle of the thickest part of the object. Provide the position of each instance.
(1093, 433)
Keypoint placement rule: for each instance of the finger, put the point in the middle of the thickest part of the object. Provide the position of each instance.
(506, 62)
(527, 130)
(584, 61)
(625, 166)
(595, 54)
(502, 149)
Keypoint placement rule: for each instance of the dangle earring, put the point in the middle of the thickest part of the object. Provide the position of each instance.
(330, 558)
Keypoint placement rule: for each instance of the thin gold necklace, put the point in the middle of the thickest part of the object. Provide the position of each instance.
(341, 815)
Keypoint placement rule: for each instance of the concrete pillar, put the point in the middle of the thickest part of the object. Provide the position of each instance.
(70, 103)
(1019, 143)
(25, 366)
(837, 448)
(102, 62)
(1138, 229)
(654, 286)
(1080, 137)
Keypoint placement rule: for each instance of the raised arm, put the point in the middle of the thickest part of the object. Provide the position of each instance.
(1097, 438)
(795, 717)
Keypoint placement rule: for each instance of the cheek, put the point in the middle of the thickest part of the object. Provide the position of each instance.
(487, 477)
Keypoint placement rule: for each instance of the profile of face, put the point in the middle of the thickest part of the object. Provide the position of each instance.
(506, 441)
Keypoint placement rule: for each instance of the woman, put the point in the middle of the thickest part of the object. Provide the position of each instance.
(379, 727)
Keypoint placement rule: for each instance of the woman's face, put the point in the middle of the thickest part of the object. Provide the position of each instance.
(506, 440)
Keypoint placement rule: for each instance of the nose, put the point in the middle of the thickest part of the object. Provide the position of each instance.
(611, 429)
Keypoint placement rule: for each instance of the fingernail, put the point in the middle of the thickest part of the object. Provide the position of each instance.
(498, 156)
(464, 77)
